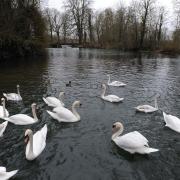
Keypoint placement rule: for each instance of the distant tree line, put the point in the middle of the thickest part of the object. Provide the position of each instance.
(22, 28)
(140, 26)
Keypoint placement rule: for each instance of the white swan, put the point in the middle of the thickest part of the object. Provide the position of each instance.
(35, 143)
(23, 119)
(172, 122)
(3, 127)
(133, 142)
(53, 101)
(4, 175)
(65, 115)
(13, 96)
(110, 98)
(115, 83)
(3, 110)
(148, 108)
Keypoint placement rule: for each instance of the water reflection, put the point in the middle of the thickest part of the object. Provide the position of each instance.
(84, 150)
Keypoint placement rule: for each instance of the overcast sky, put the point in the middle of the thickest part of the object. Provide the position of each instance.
(101, 4)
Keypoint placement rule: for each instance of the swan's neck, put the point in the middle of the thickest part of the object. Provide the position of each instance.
(75, 112)
(4, 110)
(18, 91)
(34, 113)
(103, 92)
(155, 103)
(61, 98)
(117, 133)
(30, 152)
(109, 80)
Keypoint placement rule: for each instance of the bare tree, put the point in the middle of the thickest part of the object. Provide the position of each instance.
(146, 5)
(78, 10)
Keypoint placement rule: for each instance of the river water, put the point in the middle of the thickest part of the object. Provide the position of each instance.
(84, 150)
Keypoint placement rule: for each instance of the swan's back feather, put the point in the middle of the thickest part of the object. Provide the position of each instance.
(172, 122)
(65, 114)
(132, 140)
(52, 101)
(21, 119)
(12, 96)
(112, 98)
(146, 108)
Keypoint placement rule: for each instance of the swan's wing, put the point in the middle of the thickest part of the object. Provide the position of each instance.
(7, 175)
(20, 119)
(39, 140)
(117, 83)
(146, 108)
(132, 140)
(53, 101)
(65, 114)
(12, 96)
(113, 98)
(172, 121)
(3, 127)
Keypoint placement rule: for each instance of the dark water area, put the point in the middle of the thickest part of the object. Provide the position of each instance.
(84, 150)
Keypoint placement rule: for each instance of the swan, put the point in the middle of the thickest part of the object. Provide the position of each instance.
(53, 101)
(110, 98)
(23, 119)
(35, 142)
(13, 96)
(147, 108)
(4, 175)
(115, 83)
(3, 128)
(133, 142)
(65, 115)
(172, 122)
(3, 110)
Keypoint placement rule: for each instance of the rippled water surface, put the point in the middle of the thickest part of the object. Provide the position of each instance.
(83, 150)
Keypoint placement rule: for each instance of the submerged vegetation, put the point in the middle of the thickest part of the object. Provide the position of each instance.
(22, 28)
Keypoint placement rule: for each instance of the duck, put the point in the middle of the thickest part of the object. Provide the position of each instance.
(13, 96)
(3, 128)
(53, 101)
(172, 122)
(68, 84)
(23, 119)
(35, 143)
(148, 108)
(133, 142)
(115, 83)
(3, 111)
(110, 98)
(62, 114)
(4, 175)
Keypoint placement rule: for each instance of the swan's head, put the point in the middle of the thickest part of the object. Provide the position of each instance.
(2, 100)
(103, 86)
(117, 126)
(18, 86)
(77, 104)
(33, 105)
(28, 132)
(61, 94)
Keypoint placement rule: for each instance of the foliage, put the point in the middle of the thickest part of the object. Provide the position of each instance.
(21, 28)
